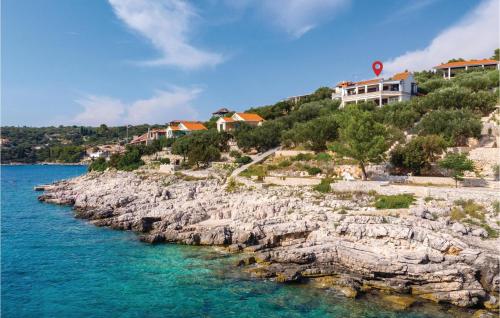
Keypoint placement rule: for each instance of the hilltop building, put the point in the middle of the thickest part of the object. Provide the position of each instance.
(400, 87)
(180, 128)
(221, 112)
(230, 123)
(449, 70)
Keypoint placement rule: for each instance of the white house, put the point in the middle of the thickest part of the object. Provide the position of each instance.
(230, 123)
(183, 127)
(450, 69)
(400, 87)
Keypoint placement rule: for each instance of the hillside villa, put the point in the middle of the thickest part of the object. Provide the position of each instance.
(175, 129)
(400, 87)
(230, 123)
(180, 128)
(152, 134)
(449, 70)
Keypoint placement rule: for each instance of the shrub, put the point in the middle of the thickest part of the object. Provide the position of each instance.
(284, 164)
(324, 186)
(323, 156)
(313, 171)
(496, 207)
(233, 185)
(470, 208)
(255, 170)
(243, 160)
(398, 201)
(99, 164)
(457, 214)
(165, 161)
(235, 154)
(303, 157)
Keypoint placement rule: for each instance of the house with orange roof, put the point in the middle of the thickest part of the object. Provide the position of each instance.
(400, 87)
(450, 69)
(230, 123)
(152, 134)
(179, 128)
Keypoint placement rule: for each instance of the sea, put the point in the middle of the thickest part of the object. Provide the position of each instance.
(54, 265)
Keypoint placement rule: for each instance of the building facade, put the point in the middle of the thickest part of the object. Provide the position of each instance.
(449, 70)
(400, 87)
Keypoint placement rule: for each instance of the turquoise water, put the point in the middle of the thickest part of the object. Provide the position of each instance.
(54, 265)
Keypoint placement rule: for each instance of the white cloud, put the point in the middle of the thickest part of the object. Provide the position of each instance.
(166, 24)
(297, 17)
(99, 110)
(164, 106)
(475, 36)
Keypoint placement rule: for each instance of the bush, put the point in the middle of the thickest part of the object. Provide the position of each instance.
(455, 126)
(284, 164)
(303, 157)
(235, 154)
(99, 164)
(313, 171)
(323, 156)
(243, 160)
(324, 186)
(165, 161)
(398, 201)
(255, 170)
(233, 185)
(418, 153)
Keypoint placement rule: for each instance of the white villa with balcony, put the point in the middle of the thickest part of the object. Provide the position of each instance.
(400, 87)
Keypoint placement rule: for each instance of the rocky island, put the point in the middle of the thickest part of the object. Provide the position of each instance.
(295, 234)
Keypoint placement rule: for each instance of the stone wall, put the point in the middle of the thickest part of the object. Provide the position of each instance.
(291, 153)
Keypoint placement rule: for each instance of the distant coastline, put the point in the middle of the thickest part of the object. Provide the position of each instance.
(44, 164)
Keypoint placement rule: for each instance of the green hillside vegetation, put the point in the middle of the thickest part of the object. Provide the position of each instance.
(61, 144)
(446, 113)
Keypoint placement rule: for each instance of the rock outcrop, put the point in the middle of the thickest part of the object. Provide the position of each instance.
(295, 234)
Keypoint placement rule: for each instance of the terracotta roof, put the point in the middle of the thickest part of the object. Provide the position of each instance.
(467, 63)
(228, 119)
(159, 130)
(174, 127)
(250, 117)
(400, 76)
(193, 125)
(141, 138)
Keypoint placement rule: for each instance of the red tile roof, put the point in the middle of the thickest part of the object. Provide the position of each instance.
(250, 117)
(400, 76)
(193, 125)
(467, 63)
(228, 119)
(141, 138)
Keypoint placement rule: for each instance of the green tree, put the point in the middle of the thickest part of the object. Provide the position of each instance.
(455, 126)
(418, 153)
(313, 134)
(457, 164)
(496, 55)
(361, 137)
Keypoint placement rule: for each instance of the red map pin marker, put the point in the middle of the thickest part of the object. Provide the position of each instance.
(377, 67)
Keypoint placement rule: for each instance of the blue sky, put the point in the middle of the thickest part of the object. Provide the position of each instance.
(85, 62)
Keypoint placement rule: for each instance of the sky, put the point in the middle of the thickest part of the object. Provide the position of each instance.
(121, 62)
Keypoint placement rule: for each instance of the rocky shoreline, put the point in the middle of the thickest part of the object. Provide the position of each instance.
(295, 235)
